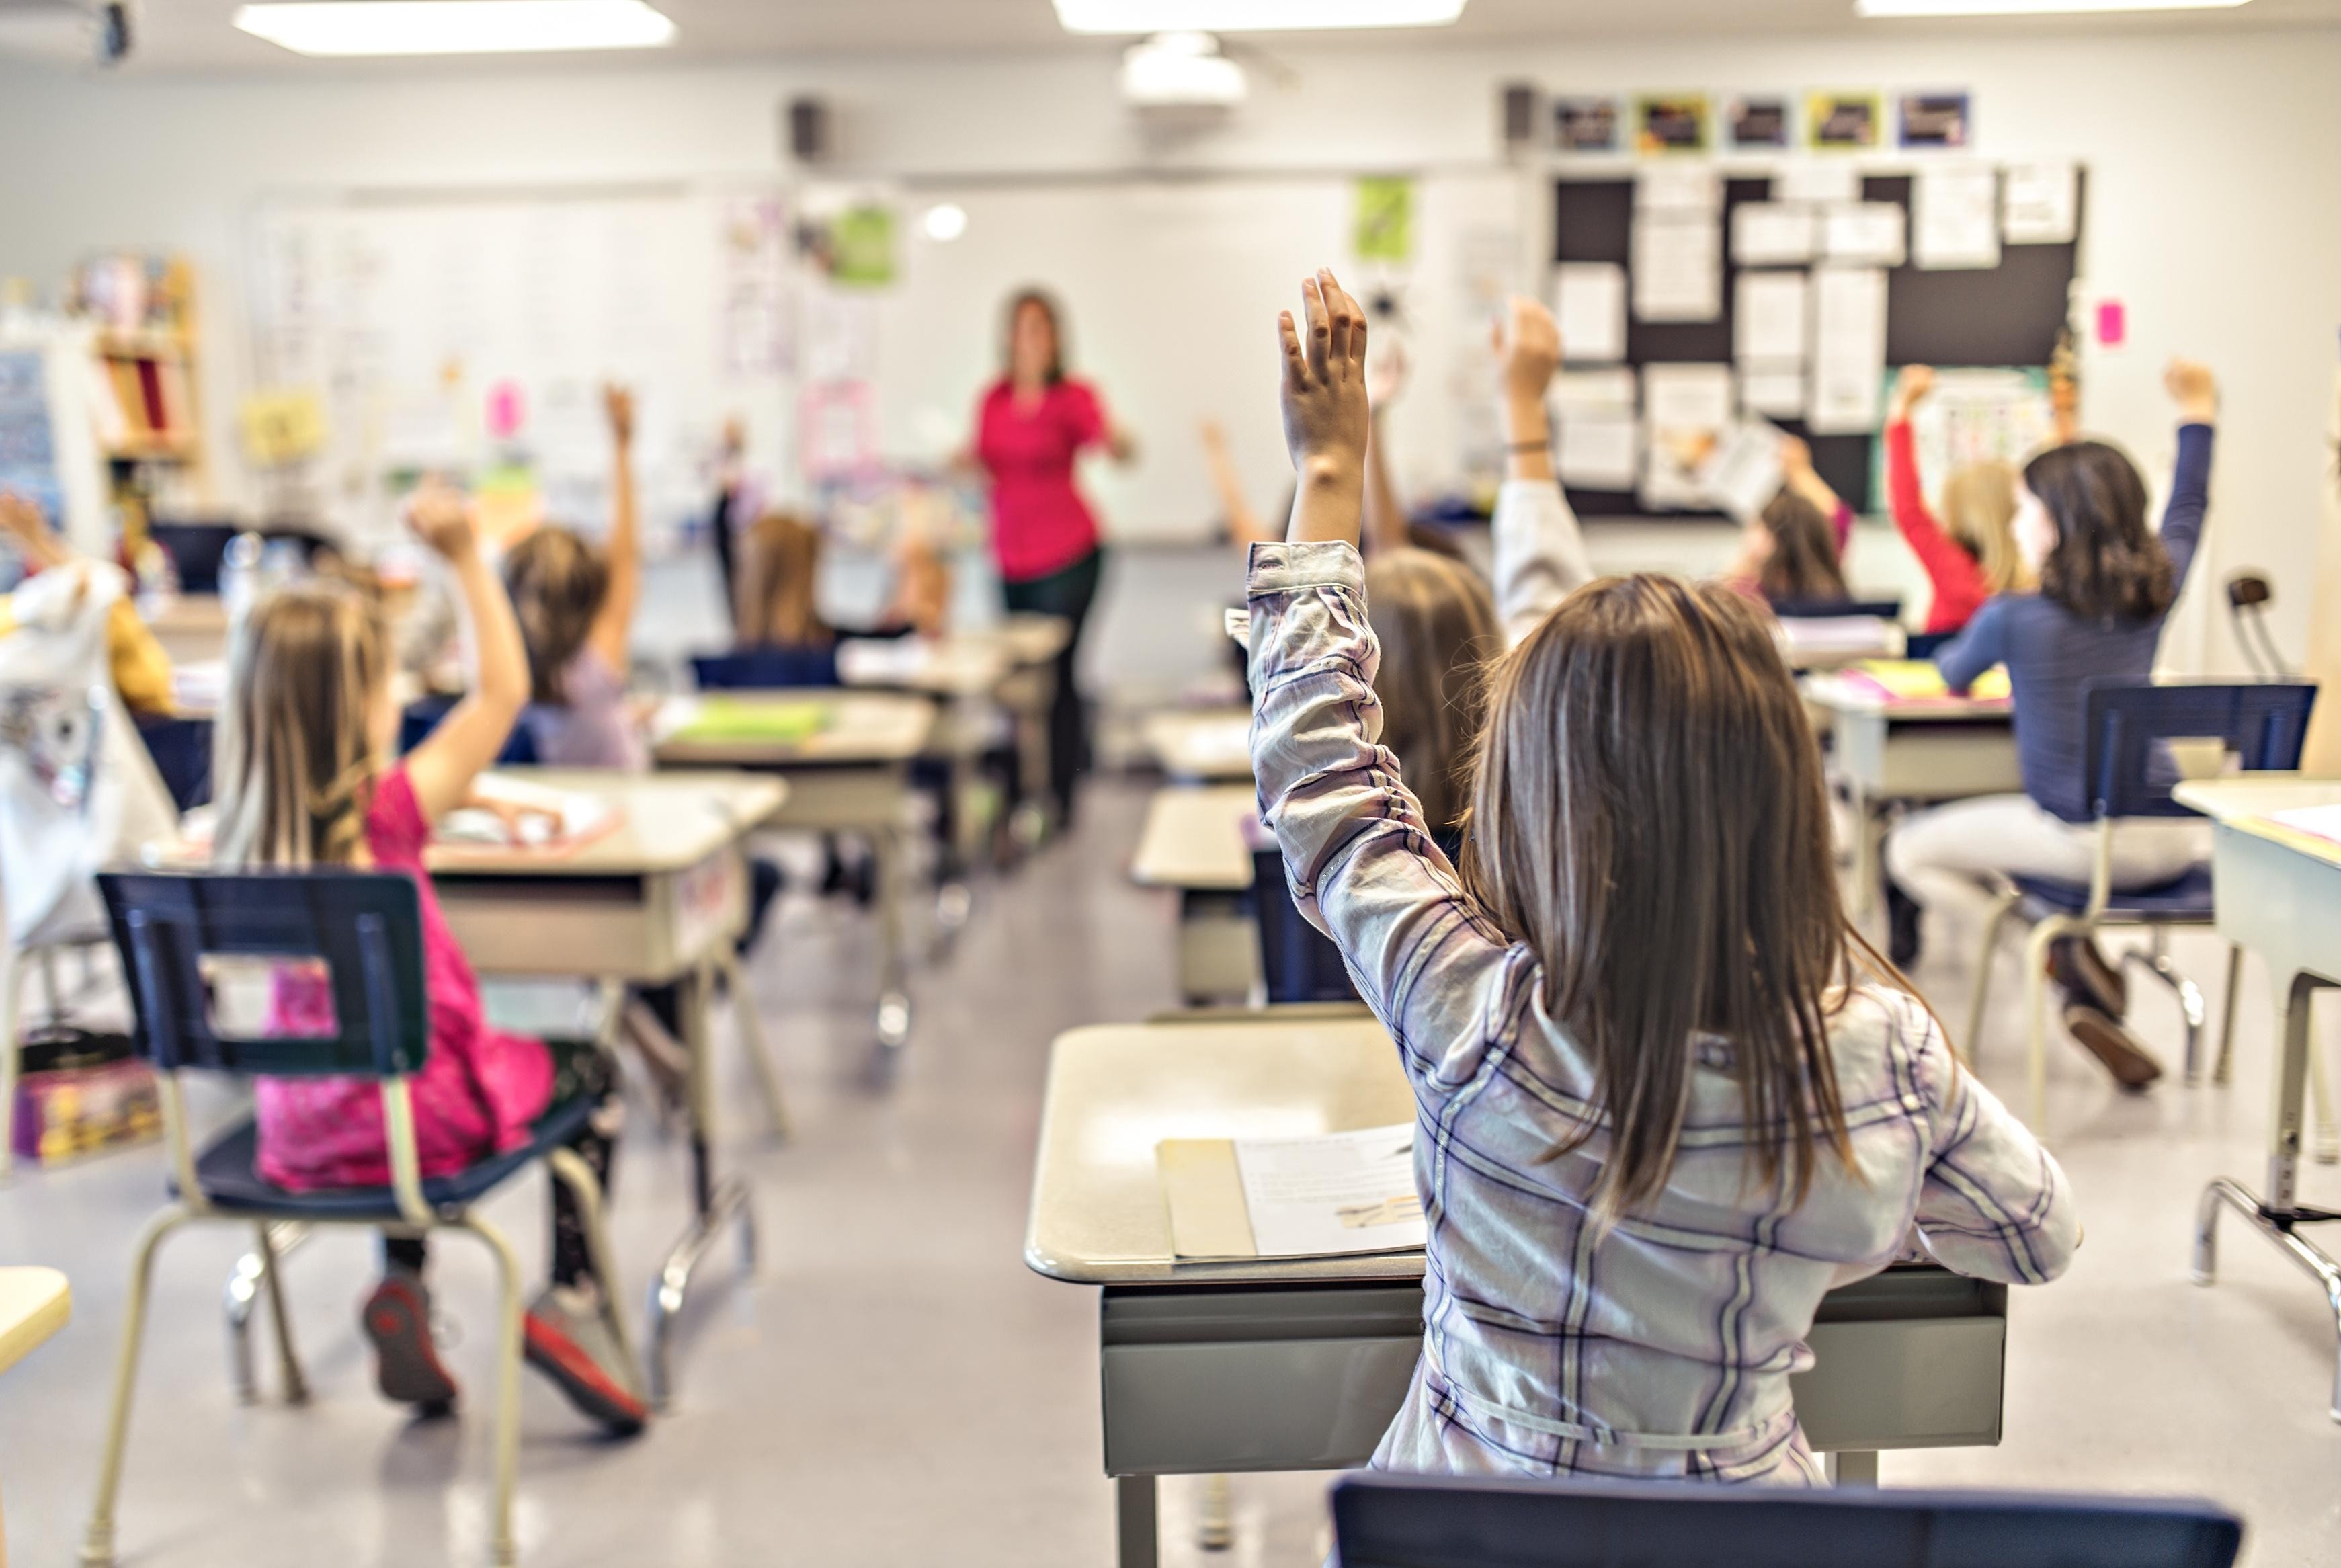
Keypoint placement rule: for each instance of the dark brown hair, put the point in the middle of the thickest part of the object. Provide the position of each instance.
(1435, 622)
(2106, 564)
(1649, 817)
(1802, 568)
(776, 585)
(557, 582)
(1045, 302)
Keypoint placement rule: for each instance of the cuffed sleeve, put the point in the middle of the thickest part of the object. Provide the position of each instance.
(1540, 555)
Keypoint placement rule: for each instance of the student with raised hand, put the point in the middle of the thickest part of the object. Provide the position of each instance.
(307, 777)
(2107, 583)
(1666, 1098)
(1793, 551)
(1970, 554)
(1540, 550)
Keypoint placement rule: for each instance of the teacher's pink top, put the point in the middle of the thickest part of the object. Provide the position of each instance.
(1039, 524)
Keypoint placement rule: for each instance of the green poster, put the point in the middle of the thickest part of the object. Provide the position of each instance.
(1385, 230)
(862, 247)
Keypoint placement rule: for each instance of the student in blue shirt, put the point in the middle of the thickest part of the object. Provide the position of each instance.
(2107, 583)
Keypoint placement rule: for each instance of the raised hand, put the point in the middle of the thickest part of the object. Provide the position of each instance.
(21, 522)
(1527, 342)
(1327, 417)
(441, 516)
(1385, 375)
(1796, 456)
(618, 408)
(2194, 388)
(1910, 389)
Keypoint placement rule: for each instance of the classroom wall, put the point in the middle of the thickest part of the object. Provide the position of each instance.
(2213, 160)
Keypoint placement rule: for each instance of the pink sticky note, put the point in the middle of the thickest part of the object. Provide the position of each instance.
(507, 410)
(2113, 323)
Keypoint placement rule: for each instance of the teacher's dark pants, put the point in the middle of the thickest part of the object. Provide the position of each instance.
(1069, 594)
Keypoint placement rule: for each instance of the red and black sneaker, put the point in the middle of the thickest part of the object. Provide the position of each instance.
(397, 1320)
(569, 1341)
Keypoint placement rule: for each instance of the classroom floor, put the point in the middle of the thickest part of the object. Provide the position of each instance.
(897, 1389)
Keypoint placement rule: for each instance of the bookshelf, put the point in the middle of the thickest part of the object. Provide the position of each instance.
(146, 344)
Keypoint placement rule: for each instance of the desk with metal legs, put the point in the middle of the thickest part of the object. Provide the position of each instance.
(1193, 841)
(1300, 1364)
(2279, 895)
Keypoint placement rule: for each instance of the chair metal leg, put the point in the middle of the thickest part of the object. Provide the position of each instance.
(570, 1169)
(12, 995)
(241, 1298)
(2156, 961)
(503, 1553)
(894, 984)
(2281, 1229)
(2035, 992)
(2327, 1145)
(97, 1545)
(751, 1041)
(2003, 903)
(296, 1386)
(2219, 1069)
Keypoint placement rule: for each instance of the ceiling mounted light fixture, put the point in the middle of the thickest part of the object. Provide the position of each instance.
(1897, 8)
(342, 28)
(1250, 16)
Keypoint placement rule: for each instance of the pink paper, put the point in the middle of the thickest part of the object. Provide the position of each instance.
(2113, 323)
(507, 409)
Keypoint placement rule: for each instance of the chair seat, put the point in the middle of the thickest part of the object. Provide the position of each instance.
(2185, 899)
(228, 1171)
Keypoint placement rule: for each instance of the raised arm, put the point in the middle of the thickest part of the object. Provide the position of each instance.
(1539, 552)
(474, 730)
(1977, 649)
(1798, 475)
(1943, 560)
(1384, 519)
(613, 632)
(139, 665)
(2192, 386)
(1245, 527)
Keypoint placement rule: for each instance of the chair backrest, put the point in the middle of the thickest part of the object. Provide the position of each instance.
(182, 750)
(352, 937)
(424, 716)
(754, 669)
(2131, 762)
(1836, 609)
(1442, 1521)
(1297, 962)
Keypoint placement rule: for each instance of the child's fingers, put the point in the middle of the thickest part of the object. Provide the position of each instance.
(1296, 363)
(1319, 341)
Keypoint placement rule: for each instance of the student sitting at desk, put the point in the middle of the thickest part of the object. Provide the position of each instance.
(304, 780)
(1792, 552)
(1667, 1098)
(1971, 553)
(2106, 583)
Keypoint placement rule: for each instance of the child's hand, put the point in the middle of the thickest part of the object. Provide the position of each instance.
(441, 516)
(1796, 457)
(1386, 375)
(22, 524)
(1327, 417)
(2194, 388)
(1910, 389)
(618, 408)
(1529, 344)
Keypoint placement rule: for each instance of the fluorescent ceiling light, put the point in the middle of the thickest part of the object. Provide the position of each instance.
(1250, 16)
(456, 26)
(2029, 7)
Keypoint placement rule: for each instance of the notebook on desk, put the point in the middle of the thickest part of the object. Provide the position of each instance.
(1325, 1196)
(773, 721)
(509, 812)
(1916, 680)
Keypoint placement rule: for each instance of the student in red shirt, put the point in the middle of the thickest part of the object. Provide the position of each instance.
(1971, 555)
(1030, 427)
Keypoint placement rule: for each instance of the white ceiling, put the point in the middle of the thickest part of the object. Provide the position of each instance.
(195, 34)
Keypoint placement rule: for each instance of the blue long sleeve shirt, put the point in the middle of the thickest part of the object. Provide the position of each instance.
(2051, 654)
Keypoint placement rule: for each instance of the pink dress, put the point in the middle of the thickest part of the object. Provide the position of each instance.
(478, 1090)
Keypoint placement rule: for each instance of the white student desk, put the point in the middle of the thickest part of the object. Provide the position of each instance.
(1194, 841)
(1205, 745)
(35, 1304)
(2279, 895)
(853, 775)
(661, 897)
(1299, 1364)
(1925, 749)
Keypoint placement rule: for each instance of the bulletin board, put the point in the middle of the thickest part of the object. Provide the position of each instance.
(2009, 315)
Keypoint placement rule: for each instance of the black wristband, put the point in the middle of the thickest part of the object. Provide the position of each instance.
(1543, 445)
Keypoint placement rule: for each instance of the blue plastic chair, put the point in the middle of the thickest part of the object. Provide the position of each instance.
(184, 941)
(1453, 1522)
(803, 665)
(2131, 765)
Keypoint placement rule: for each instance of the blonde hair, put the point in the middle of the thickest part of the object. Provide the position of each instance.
(557, 581)
(1436, 624)
(294, 768)
(1648, 817)
(1980, 516)
(777, 605)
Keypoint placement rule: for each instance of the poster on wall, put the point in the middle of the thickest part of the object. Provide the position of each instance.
(1761, 122)
(1671, 122)
(27, 447)
(1585, 124)
(1935, 120)
(1383, 227)
(1844, 122)
(1974, 415)
(754, 258)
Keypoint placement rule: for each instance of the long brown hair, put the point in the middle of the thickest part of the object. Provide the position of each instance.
(1044, 302)
(1802, 566)
(1649, 817)
(2107, 564)
(1978, 515)
(1436, 624)
(776, 587)
(557, 581)
(294, 764)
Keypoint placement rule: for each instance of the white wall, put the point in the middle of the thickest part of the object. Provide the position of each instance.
(2214, 162)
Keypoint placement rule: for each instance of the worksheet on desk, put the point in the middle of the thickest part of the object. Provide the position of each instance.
(1340, 1193)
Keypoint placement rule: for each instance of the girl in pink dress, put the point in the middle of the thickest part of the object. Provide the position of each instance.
(306, 778)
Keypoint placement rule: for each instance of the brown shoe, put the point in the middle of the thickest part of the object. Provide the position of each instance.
(2081, 970)
(2130, 1064)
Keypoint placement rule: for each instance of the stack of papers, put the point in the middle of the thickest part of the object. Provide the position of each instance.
(1915, 680)
(1325, 1196)
(516, 812)
(2316, 821)
(1810, 637)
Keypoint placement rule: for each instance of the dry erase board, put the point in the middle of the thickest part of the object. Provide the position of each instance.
(2009, 315)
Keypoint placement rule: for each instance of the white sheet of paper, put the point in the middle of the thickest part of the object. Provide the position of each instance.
(1767, 233)
(1744, 474)
(2040, 204)
(1677, 268)
(1589, 304)
(1677, 187)
(1686, 398)
(1600, 448)
(1768, 316)
(1849, 314)
(1597, 389)
(1341, 1193)
(1779, 393)
(1954, 216)
(1867, 234)
(1809, 181)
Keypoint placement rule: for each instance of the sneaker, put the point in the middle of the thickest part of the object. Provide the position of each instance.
(568, 1341)
(406, 1368)
(2130, 1064)
(2076, 965)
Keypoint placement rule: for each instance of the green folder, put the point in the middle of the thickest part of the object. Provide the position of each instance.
(788, 722)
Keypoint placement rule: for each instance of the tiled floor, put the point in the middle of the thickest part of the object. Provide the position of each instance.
(897, 1389)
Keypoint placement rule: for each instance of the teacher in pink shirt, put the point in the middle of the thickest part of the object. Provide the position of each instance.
(1032, 426)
